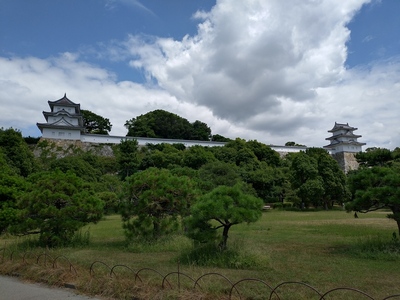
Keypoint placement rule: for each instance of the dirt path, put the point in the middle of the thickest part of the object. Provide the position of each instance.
(12, 288)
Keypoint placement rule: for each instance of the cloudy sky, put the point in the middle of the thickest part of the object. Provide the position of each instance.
(269, 70)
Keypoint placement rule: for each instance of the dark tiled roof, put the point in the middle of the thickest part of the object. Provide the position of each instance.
(64, 101)
(339, 126)
(347, 134)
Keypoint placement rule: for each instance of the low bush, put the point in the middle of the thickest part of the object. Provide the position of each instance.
(210, 255)
(284, 205)
(376, 248)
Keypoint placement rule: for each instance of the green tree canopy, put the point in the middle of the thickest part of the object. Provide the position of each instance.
(16, 151)
(79, 165)
(196, 156)
(374, 157)
(376, 188)
(161, 156)
(154, 201)
(127, 157)
(317, 178)
(225, 154)
(11, 187)
(163, 124)
(219, 138)
(94, 123)
(223, 207)
(200, 131)
(216, 173)
(268, 182)
(292, 144)
(55, 206)
(264, 153)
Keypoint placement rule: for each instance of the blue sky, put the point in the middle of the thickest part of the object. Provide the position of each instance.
(270, 70)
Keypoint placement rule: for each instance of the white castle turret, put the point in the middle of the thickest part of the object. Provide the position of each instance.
(65, 120)
(344, 145)
(343, 139)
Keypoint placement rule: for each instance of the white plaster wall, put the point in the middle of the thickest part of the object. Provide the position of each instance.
(73, 121)
(347, 148)
(287, 149)
(63, 134)
(142, 141)
(69, 109)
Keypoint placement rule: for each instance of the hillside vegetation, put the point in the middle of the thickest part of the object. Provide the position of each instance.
(165, 203)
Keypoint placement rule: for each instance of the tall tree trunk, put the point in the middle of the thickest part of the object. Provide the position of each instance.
(396, 215)
(156, 228)
(225, 236)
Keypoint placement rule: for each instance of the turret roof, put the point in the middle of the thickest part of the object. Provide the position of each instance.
(61, 124)
(64, 101)
(348, 134)
(340, 126)
(354, 143)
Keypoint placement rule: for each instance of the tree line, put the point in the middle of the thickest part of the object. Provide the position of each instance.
(155, 124)
(161, 189)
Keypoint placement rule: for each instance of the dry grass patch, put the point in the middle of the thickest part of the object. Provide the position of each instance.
(311, 247)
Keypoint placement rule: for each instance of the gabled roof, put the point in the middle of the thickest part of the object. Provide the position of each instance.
(47, 114)
(62, 122)
(348, 134)
(62, 127)
(63, 112)
(340, 126)
(64, 101)
(353, 143)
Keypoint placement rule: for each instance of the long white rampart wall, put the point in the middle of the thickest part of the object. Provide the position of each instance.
(143, 141)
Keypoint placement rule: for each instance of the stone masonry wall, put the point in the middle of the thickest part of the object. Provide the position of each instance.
(61, 148)
(47, 148)
(346, 160)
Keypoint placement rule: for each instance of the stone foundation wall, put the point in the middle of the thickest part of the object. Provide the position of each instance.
(346, 160)
(61, 148)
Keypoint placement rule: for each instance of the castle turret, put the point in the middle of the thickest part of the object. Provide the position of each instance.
(64, 121)
(344, 145)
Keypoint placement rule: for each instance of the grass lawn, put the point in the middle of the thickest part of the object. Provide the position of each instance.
(325, 249)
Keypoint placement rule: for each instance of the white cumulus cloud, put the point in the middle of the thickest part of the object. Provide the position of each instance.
(267, 70)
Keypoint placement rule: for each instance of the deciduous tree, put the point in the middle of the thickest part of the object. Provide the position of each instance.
(16, 151)
(94, 123)
(264, 153)
(374, 157)
(163, 124)
(197, 156)
(159, 124)
(317, 178)
(219, 138)
(200, 131)
(11, 187)
(268, 182)
(164, 156)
